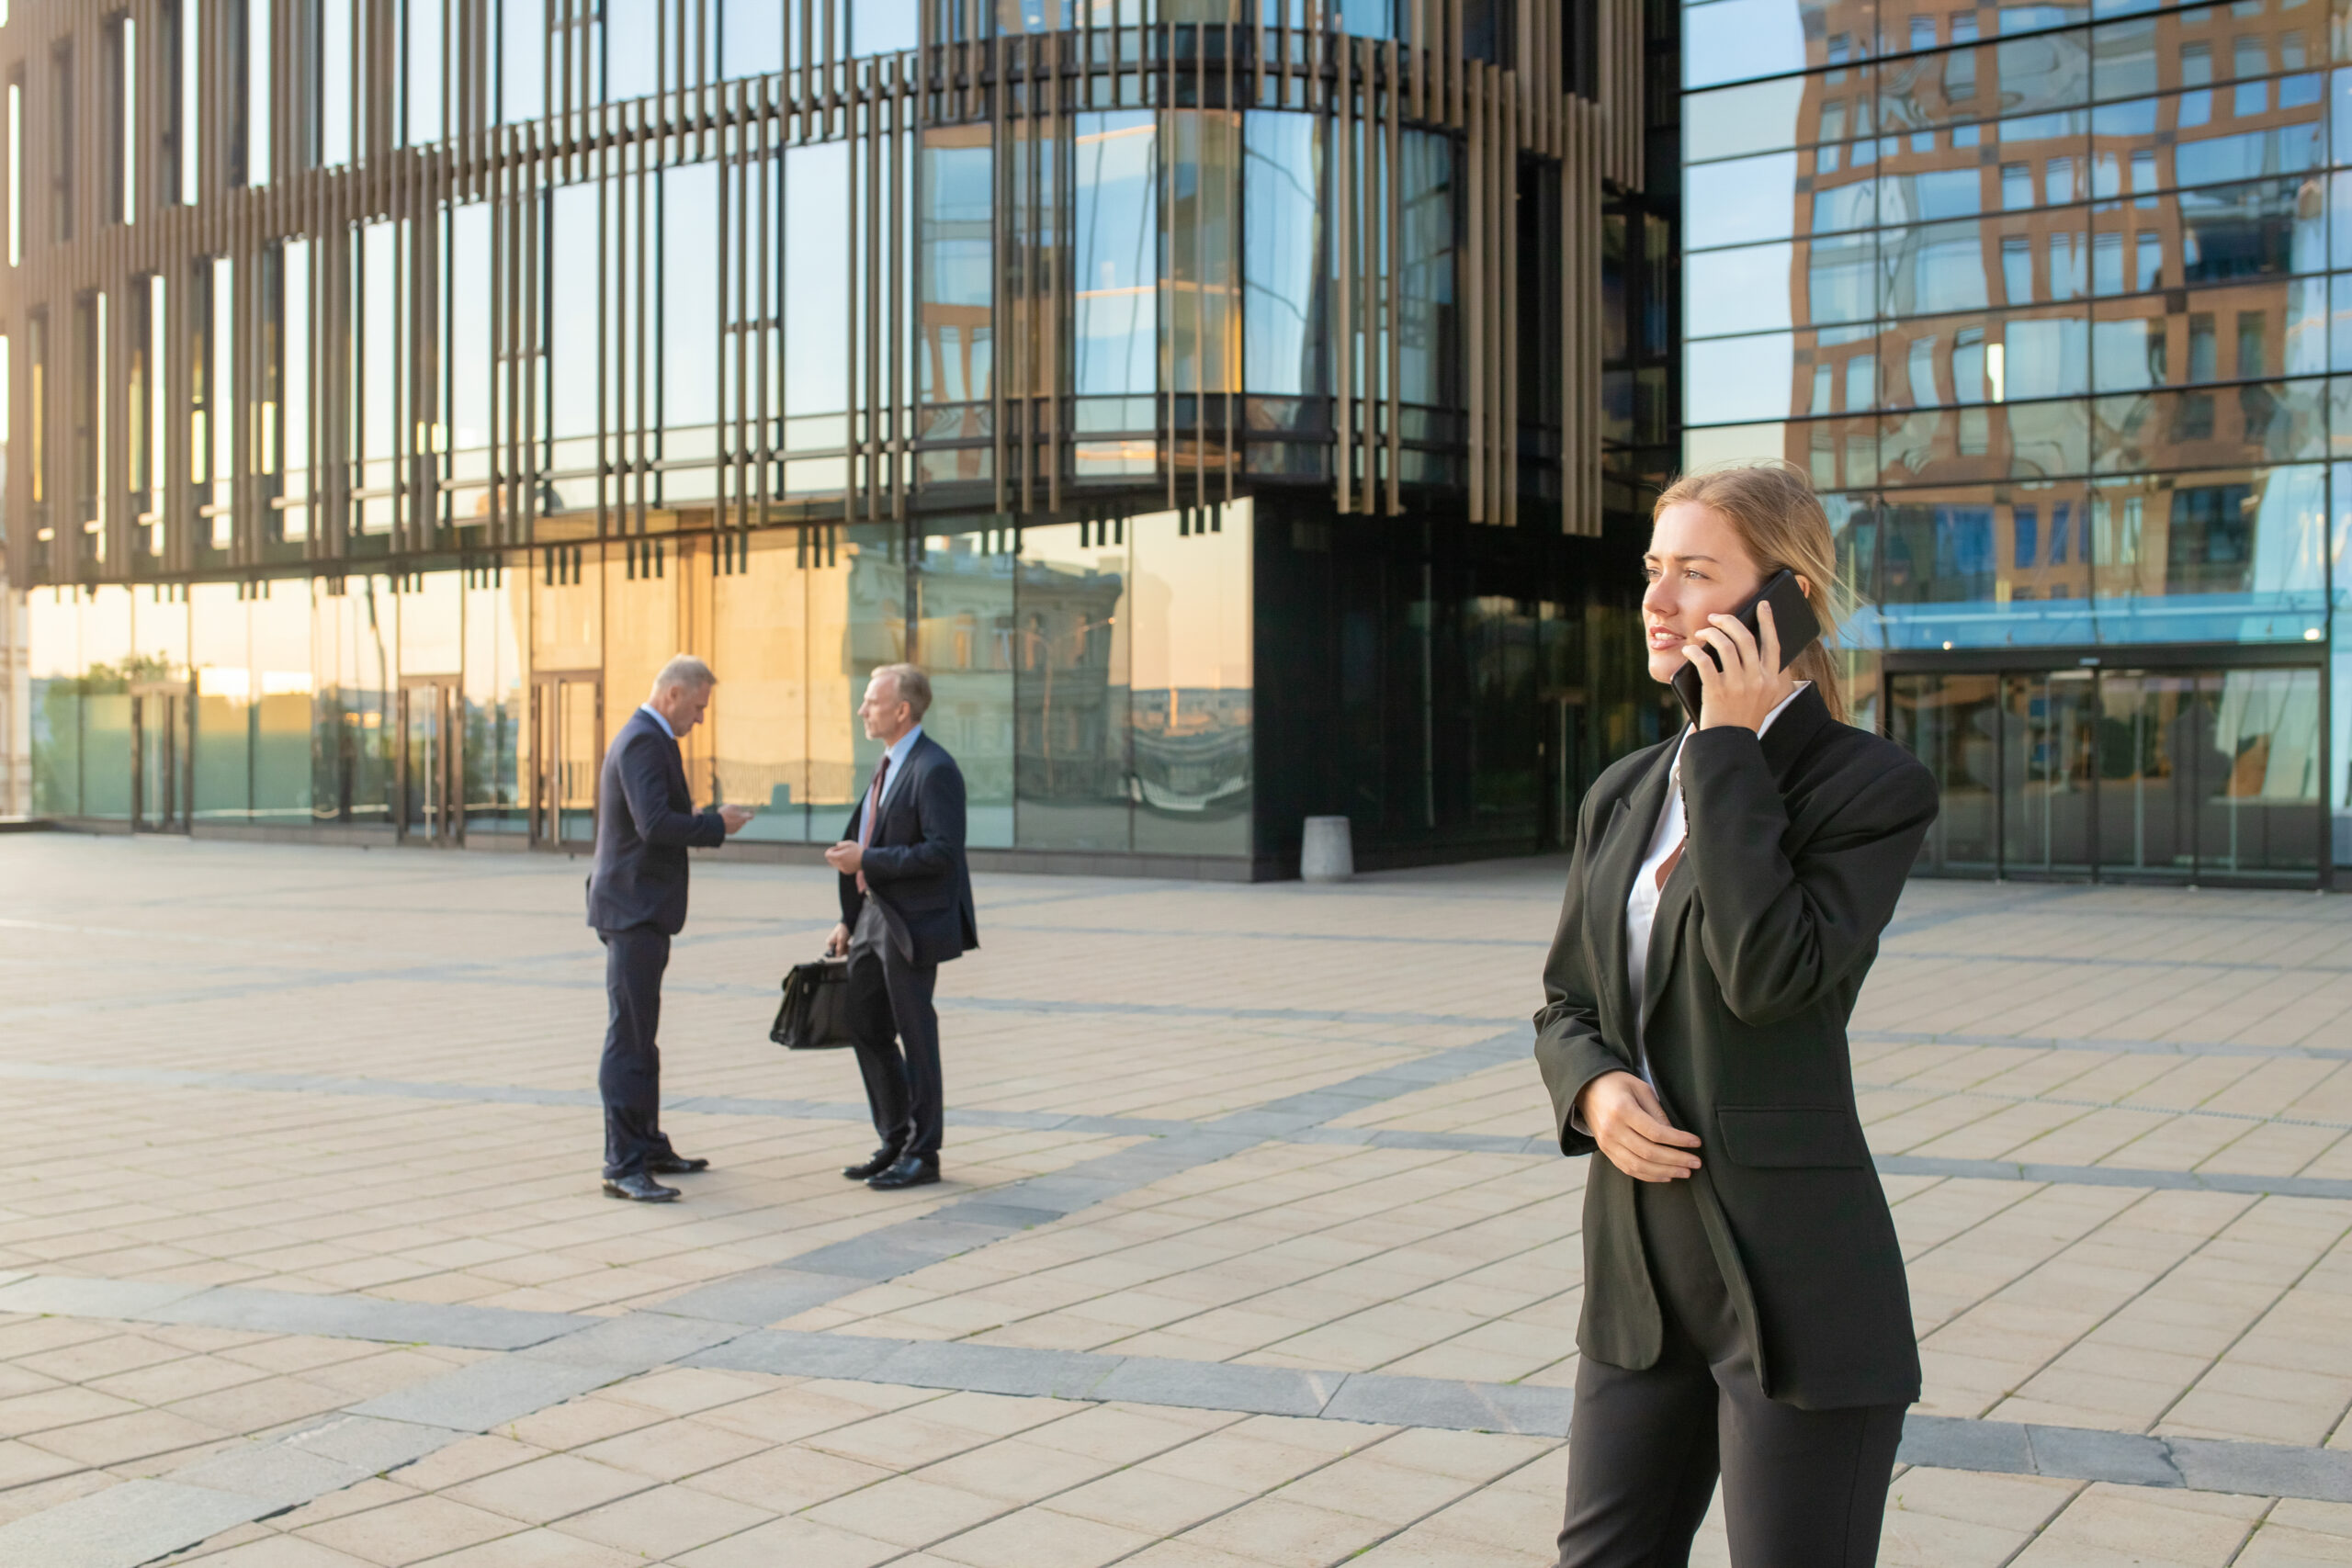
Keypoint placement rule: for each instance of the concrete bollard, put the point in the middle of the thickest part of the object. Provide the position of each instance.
(1327, 852)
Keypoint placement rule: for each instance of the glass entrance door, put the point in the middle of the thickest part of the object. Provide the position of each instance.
(2175, 775)
(160, 757)
(432, 776)
(2046, 773)
(567, 748)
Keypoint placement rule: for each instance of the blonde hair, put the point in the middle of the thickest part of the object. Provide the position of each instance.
(1773, 508)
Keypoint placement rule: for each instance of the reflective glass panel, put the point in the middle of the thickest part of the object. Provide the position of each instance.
(816, 287)
(522, 61)
(573, 290)
(1426, 354)
(1285, 278)
(282, 701)
(1190, 674)
(1953, 724)
(632, 48)
(496, 702)
(964, 639)
(221, 656)
(751, 37)
(1070, 641)
(957, 265)
(1115, 239)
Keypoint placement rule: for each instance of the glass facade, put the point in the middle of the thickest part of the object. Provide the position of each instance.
(2049, 300)
(1130, 365)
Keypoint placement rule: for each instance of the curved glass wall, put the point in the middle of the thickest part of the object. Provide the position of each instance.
(806, 338)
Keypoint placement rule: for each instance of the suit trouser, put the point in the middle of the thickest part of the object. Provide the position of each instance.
(629, 1079)
(1802, 1488)
(896, 1034)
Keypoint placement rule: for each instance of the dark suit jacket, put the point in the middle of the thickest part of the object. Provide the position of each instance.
(914, 864)
(645, 822)
(1799, 844)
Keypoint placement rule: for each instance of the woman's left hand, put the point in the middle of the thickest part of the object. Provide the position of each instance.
(1751, 683)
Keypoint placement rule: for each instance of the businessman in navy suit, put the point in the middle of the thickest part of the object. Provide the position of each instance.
(646, 821)
(906, 909)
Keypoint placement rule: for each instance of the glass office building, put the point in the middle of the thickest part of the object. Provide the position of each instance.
(2050, 299)
(1225, 401)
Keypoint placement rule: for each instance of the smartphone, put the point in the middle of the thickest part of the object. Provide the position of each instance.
(1793, 618)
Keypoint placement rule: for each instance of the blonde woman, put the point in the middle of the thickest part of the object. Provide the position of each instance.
(1745, 1314)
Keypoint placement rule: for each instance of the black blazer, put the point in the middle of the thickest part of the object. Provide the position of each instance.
(1798, 847)
(914, 864)
(645, 821)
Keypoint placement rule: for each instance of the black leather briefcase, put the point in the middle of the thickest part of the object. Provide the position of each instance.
(815, 1014)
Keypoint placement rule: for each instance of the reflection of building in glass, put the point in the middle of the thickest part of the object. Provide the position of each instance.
(2041, 294)
(1230, 404)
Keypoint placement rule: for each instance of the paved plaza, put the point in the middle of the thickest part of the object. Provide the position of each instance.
(1253, 1250)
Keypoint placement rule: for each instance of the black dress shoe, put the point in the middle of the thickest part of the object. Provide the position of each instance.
(638, 1188)
(876, 1163)
(908, 1170)
(675, 1165)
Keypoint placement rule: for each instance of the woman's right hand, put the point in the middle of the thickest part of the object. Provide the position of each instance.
(837, 945)
(1631, 1127)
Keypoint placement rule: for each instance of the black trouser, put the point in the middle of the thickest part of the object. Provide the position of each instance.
(630, 1076)
(897, 1031)
(1802, 1488)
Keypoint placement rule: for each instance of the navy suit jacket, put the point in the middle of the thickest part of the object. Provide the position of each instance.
(646, 821)
(914, 864)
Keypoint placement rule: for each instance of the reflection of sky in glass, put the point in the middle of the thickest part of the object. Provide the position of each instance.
(632, 48)
(294, 274)
(379, 316)
(573, 293)
(1729, 40)
(468, 326)
(882, 26)
(522, 61)
(816, 279)
(334, 85)
(751, 37)
(690, 296)
(1117, 244)
(1283, 326)
(423, 73)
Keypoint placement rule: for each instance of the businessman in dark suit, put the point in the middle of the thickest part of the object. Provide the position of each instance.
(646, 821)
(906, 909)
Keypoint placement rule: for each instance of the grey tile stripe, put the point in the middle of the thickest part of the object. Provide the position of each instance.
(2112, 1047)
(2064, 960)
(2115, 1176)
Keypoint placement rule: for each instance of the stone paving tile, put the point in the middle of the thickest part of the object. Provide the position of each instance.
(2184, 1312)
